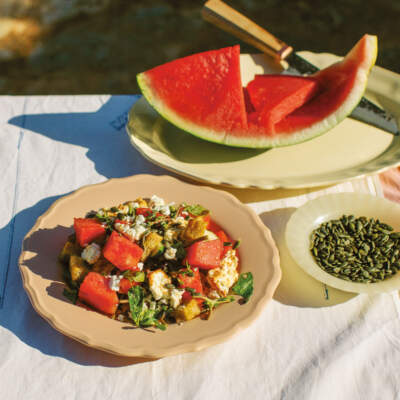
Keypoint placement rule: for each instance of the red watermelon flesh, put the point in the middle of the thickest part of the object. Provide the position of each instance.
(218, 106)
(276, 96)
(205, 254)
(335, 87)
(121, 252)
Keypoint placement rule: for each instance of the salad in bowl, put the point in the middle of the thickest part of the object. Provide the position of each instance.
(151, 264)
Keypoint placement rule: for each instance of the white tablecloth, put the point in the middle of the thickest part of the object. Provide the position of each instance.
(307, 344)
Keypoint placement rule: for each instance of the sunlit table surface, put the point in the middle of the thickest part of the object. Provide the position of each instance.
(307, 344)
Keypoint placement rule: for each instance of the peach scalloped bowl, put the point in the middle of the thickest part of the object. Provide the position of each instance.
(43, 282)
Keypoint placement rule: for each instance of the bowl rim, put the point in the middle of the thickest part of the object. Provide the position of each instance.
(56, 321)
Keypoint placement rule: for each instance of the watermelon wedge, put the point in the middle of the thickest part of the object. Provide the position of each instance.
(273, 97)
(203, 95)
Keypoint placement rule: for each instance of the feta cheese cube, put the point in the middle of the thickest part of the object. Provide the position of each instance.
(175, 297)
(182, 222)
(156, 202)
(170, 253)
(114, 281)
(140, 219)
(165, 210)
(134, 232)
(91, 253)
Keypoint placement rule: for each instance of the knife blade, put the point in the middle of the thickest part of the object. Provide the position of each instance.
(230, 20)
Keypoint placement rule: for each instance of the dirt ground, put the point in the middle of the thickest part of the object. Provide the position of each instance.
(102, 53)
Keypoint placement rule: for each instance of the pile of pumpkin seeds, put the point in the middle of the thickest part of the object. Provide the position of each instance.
(356, 249)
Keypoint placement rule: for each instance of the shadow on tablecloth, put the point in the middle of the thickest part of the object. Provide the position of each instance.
(103, 134)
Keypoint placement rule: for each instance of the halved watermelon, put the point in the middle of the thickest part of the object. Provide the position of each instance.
(202, 94)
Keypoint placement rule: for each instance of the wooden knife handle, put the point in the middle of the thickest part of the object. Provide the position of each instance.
(230, 20)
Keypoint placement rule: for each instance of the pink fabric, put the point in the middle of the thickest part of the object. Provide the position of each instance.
(390, 181)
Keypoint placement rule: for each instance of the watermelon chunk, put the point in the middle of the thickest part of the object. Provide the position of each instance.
(121, 252)
(143, 211)
(205, 254)
(193, 282)
(276, 96)
(95, 291)
(87, 230)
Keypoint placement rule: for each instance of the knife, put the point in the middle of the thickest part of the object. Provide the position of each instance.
(230, 20)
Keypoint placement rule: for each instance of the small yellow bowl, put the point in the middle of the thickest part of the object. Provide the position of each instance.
(322, 209)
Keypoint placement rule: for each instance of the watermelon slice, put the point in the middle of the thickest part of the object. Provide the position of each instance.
(273, 97)
(202, 94)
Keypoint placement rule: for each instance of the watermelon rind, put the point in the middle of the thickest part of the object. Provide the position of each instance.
(368, 44)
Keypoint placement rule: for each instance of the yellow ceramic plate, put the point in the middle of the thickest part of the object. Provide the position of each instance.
(352, 149)
(43, 282)
(315, 212)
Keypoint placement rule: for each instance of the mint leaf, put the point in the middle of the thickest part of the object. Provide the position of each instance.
(136, 302)
(244, 286)
(141, 315)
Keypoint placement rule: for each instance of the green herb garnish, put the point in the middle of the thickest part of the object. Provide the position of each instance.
(210, 303)
(244, 286)
(141, 315)
(134, 276)
(71, 294)
(196, 209)
(188, 270)
(180, 250)
(107, 221)
(236, 245)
